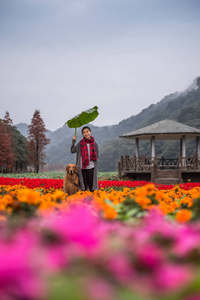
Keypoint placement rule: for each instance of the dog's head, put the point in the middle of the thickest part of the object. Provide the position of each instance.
(71, 169)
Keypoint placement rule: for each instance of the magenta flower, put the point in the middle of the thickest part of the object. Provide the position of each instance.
(120, 266)
(148, 256)
(20, 274)
(187, 241)
(78, 227)
(170, 277)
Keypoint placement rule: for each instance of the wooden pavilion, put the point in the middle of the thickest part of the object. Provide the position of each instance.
(163, 170)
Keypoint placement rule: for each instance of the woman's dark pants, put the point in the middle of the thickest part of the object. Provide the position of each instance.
(88, 178)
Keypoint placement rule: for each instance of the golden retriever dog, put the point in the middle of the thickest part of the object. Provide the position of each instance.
(71, 180)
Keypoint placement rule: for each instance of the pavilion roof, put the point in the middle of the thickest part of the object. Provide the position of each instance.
(163, 130)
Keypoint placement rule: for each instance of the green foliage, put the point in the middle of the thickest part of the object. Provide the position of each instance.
(57, 175)
(108, 176)
(20, 146)
(83, 118)
(64, 286)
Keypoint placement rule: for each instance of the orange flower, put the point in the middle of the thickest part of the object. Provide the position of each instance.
(110, 212)
(29, 196)
(187, 200)
(183, 215)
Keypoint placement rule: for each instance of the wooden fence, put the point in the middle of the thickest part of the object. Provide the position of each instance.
(129, 164)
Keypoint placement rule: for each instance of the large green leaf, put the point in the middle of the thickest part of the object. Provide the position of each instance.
(83, 118)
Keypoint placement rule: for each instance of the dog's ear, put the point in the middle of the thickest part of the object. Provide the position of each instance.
(76, 169)
(67, 168)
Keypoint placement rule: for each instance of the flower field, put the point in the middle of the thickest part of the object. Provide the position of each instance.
(128, 240)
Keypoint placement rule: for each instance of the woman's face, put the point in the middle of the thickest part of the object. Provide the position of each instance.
(87, 133)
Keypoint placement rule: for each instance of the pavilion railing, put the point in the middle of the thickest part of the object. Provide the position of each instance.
(190, 163)
(144, 163)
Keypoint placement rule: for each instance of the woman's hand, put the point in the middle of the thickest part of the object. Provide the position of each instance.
(74, 138)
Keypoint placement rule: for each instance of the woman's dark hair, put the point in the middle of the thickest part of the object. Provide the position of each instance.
(86, 127)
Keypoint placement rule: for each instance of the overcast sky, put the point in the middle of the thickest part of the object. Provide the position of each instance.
(65, 56)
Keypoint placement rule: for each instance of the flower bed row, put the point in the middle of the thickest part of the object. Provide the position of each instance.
(113, 204)
(133, 184)
(58, 183)
(33, 182)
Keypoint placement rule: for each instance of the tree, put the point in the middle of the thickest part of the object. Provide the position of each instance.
(21, 150)
(7, 120)
(7, 157)
(37, 141)
(18, 143)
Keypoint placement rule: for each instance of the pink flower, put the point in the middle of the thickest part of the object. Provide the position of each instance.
(70, 235)
(20, 273)
(187, 241)
(56, 258)
(149, 256)
(121, 267)
(170, 277)
(78, 227)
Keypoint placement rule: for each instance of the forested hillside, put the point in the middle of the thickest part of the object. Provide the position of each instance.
(183, 107)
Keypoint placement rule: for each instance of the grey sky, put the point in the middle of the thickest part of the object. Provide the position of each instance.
(65, 56)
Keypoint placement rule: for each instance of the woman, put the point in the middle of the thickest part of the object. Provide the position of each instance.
(87, 154)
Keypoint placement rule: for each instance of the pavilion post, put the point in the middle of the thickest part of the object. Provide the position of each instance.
(137, 147)
(183, 148)
(153, 150)
(180, 147)
(198, 151)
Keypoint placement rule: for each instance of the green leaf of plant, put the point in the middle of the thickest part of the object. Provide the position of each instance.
(132, 212)
(83, 118)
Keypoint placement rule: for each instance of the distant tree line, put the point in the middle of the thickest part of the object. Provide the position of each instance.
(17, 153)
(59, 167)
